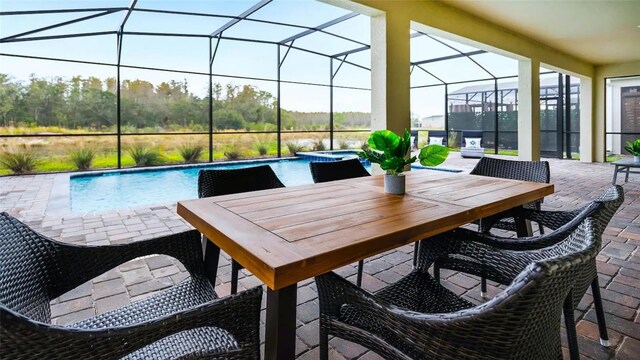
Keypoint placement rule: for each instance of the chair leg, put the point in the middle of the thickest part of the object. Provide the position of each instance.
(436, 272)
(483, 287)
(597, 302)
(235, 268)
(324, 344)
(416, 248)
(359, 278)
(570, 325)
(541, 229)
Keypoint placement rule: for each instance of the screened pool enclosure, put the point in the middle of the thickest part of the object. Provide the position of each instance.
(235, 79)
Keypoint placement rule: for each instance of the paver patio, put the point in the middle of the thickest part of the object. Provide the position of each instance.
(37, 199)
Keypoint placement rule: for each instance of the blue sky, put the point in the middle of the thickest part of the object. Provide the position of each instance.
(233, 58)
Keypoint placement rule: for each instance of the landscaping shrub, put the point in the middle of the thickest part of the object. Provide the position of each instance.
(191, 152)
(19, 162)
(144, 156)
(294, 148)
(232, 152)
(319, 146)
(262, 149)
(82, 158)
(343, 145)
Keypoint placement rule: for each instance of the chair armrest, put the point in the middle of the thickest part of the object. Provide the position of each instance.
(515, 244)
(551, 219)
(78, 264)
(498, 259)
(426, 334)
(23, 339)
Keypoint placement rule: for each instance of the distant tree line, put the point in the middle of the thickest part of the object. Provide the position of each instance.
(90, 103)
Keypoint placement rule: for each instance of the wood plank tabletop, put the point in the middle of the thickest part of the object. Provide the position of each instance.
(291, 234)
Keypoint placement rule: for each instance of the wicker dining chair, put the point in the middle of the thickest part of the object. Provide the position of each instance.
(417, 318)
(216, 182)
(339, 170)
(186, 320)
(536, 171)
(476, 253)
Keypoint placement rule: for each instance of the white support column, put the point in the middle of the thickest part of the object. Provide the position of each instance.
(529, 110)
(586, 120)
(390, 78)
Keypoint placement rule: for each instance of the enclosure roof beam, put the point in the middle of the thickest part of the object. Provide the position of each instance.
(106, 12)
(54, 37)
(456, 56)
(126, 17)
(458, 51)
(60, 11)
(352, 51)
(121, 30)
(435, 77)
(241, 17)
(320, 27)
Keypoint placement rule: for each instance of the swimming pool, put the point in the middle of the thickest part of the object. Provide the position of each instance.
(139, 187)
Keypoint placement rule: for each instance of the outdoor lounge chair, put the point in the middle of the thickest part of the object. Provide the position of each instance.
(476, 253)
(437, 134)
(471, 146)
(339, 170)
(187, 320)
(417, 318)
(216, 182)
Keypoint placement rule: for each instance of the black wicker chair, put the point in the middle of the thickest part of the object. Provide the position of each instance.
(187, 320)
(501, 259)
(339, 170)
(232, 181)
(537, 171)
(416, 318)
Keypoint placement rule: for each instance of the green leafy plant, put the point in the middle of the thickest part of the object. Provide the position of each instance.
(294, 148)
(144, 156)
(19, 162)
(190, 152)
(633, 147)
(392, 152)
(82, 158)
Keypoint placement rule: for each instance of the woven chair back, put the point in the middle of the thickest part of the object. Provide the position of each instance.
(232, 181)
(337, 170)
(537, 171)
(26, 259)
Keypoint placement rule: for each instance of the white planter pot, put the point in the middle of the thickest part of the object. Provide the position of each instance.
(394, 184)
(636, 159)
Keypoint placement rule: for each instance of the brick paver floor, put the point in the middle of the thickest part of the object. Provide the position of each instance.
(40, 201)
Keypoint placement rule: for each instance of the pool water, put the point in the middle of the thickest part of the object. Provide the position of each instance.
(127, 189)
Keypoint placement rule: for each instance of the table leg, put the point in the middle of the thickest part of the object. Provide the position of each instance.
(211, 256)
(523, 227)
(615, 175)
(280, 333)
(626, 177)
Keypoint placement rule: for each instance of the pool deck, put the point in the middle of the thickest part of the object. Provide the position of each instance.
(42, 201)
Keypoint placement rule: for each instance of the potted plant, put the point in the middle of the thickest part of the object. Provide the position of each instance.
(634, 149)
(392, 153)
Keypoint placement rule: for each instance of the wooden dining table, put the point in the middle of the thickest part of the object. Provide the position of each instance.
(287, 235)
